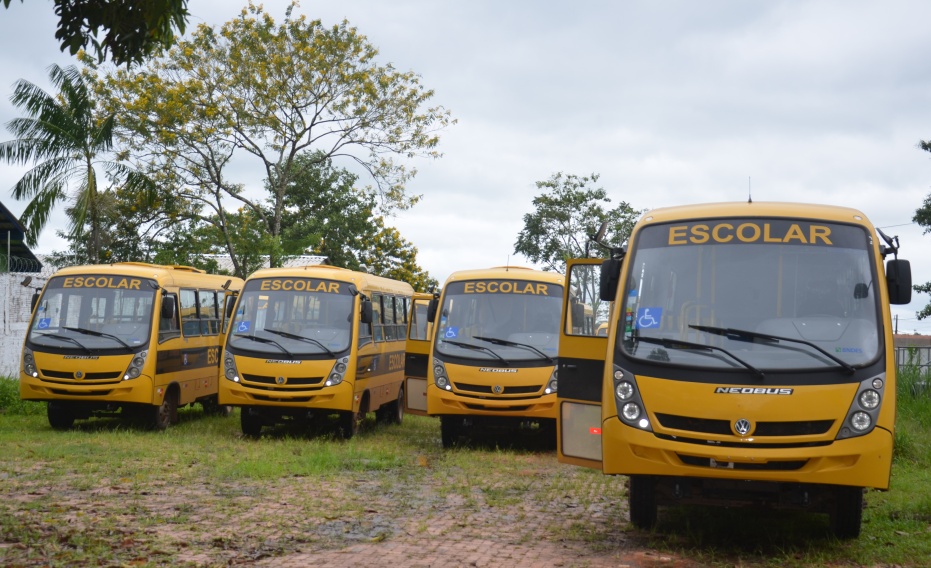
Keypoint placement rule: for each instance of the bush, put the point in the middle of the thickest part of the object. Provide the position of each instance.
(10, 402)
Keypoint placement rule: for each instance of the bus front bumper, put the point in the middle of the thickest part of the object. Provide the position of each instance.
(337, 397)
(441, 402)
(864, 461)
(135, 391)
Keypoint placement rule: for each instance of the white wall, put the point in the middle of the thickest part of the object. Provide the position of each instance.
(16, 301)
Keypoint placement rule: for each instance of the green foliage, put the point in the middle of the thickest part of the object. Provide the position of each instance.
(913, 422)
(133, 29)
(256, 90)
(923, 218)
(566, 214)
(10, 403)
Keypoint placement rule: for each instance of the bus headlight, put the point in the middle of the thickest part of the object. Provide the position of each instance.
(863, 413)
(135, 366)
(440, 378)
(229, 368)
(29, 364)
(627, 400)
(869, 399)
(552, 384)
(338, 372)
(861, 421)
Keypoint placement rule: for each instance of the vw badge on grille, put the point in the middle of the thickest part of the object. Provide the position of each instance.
(78, 375)
(497, 389)
(280, 380)
(742, 426)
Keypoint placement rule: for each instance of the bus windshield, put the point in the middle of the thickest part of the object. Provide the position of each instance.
(94, 313)
(752, 294)
(500, 320)
(293, 318)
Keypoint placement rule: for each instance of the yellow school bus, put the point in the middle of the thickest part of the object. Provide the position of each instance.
(749, 361)
(131, 338)
(309, 342)
(493, 351)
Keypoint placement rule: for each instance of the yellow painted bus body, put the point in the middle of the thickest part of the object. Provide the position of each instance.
(749, 361)
(99, 343)
(299, 348)
(493, 351)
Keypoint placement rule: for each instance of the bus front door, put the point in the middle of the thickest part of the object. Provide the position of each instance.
(417, 357)
(582, 354)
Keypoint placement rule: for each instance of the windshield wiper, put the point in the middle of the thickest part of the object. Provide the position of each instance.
(497, 341)
(264, 340)
(476, 347)
(290, 335)
(66, 338)
(757, 337)
(679, 344)
(98, 334)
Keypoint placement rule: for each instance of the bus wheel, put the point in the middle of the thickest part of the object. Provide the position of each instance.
(211, 405)
(450, 430)
(392, 413)
(641, 499)
(166, 414)
(349, 423)
(60, 416)
(251, 422)
(847, 512)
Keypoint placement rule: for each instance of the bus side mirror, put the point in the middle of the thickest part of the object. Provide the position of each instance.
(899, 281)
(610, 276)
(34, 302)
(431, 310)
(367, 313)
(861, 291)
(168, 307)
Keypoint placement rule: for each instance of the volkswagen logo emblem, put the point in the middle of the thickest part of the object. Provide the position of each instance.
(280, 380)
(742, 426)
(497, 389)
(79, 375)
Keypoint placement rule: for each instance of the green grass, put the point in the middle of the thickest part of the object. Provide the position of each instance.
(199, 493)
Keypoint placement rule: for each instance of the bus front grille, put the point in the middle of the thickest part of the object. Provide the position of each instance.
(68, 376)
(288, 381)
(723, 427)
(486, 389)
(786, 465)
(497, 408)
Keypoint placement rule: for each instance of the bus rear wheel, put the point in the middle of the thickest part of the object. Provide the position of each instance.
(641, 501)
(166, 414)
(846, 515)
(393, 412)
(60, 417)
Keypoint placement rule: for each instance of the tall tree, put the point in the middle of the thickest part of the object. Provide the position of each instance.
(567, 212)
(261, 92)
(66, 138)
(923, 218)
(132, 29)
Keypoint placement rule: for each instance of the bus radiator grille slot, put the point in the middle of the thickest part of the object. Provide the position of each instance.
(723, 427)
(787, 465)
(290, 382)
(485, 389)
(81, 393)
(112, 376)
(497, 408)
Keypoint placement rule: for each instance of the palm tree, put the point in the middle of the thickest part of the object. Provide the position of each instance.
(64, 136)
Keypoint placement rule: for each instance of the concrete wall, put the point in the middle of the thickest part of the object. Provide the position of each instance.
(16, 301)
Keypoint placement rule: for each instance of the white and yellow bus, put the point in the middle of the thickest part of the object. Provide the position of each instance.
(749, 360)
(312, 341)
(135, 338)
(493, 351)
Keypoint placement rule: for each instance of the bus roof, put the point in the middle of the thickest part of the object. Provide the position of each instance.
(362, 280)
(507, 272)
(161, 273)
(755, 209)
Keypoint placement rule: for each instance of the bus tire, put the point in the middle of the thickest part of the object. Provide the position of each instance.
(393, 412)
(349, 423)
(251, 422)
(450, 430)
(166, 413)
(211, 406)
(846, 514)
(641, 501)
(60, 417)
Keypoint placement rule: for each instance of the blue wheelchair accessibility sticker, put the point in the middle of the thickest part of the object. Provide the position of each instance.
(649, 317)
(243, 326)
(451, 332)
(44, 323)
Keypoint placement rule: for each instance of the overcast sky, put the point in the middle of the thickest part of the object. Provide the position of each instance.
(670, 102)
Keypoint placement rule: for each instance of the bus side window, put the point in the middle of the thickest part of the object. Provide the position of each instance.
(168, 327)
(403, 306)
(190, 323)
(209, 312)
(388, 314)
(378, 327)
